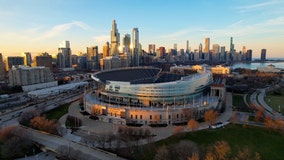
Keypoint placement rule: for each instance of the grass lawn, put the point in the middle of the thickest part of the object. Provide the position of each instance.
(239, 104)
(238, 100)
(57, 112)
(268, 144)
(274, 101)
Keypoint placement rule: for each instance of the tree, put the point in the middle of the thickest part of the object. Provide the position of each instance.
(259, 115)
(210, 116)
(192, 124)
(194, 156)
(178, 129)
(269, 123)
(234, 118)
(183, 150)
(162, 153)
(222, 150)
(14, 142)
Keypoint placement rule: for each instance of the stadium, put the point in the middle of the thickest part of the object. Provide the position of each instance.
(149, 96)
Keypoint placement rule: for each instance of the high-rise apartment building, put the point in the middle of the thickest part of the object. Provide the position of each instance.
(249, 55)
(115, 37)
(64, 55)
(152, 48)
(27, 58)
(207, 45)
(263, 55)
(106, 50)
(24, 76)
(14, 61)
(2, 68)
(162, 51)
(44, 60)
(135, 47)
(223, 54)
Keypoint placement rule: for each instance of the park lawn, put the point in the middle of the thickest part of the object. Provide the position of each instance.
(57, 112)
(274, 102)
(268, 144)
(238, 100)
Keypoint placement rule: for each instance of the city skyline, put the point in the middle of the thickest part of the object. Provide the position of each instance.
(39, 26)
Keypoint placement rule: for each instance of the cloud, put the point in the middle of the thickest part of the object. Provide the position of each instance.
(101, 38)
(58, 29)
(262, 5)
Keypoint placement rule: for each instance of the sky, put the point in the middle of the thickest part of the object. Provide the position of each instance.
(38, 26)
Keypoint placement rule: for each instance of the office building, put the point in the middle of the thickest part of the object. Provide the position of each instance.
(152, 48)
(249, 55)
(115, 37)
(263, 55)
(2, 68)
(207, 45)
(64, 55)
(14, 61)
(44, 60)
(92, 58)
(106, 50)
(126, 43)
(232, 46)
(187, 47)
(244, 50)
(135, 47)
(27, 58)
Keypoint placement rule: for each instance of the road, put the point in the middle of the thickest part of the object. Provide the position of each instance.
(257, 98)
(11, 118)
(54, 142)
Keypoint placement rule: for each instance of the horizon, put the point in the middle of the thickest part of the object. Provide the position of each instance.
(40, 26)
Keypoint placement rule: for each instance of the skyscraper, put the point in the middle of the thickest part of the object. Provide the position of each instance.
(207, 45)
(216, 48)
(64, 55)
(126, 43)
(244, 50)
(2, 71)
(187, 47)
(249, 55)
(232, 46)
(27, 58)
(152, 48)
(135, 47)
(114, 36)
(106, 50)
(92, 58)
(263, 55)
(92, 53)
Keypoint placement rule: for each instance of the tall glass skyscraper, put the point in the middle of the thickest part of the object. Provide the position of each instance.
(135, 47)
(114, 36)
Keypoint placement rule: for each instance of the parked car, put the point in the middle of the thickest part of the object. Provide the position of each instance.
(217, 125)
